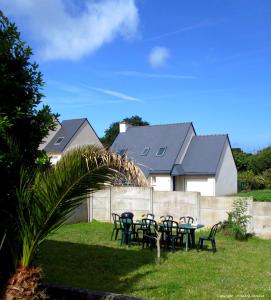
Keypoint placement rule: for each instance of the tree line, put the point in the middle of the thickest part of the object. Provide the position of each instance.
(254, 170)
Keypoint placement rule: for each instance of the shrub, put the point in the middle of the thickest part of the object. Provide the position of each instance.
(238, 220)
(248, 181)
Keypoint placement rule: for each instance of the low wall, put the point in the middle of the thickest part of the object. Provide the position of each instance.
(139, 200)
(261, 219)
(80, 214)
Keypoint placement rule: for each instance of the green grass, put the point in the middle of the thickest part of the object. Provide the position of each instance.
(82, 255)
(258, 195)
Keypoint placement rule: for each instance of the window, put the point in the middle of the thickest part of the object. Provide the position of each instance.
(161, 151)
(121, 152)
(59, 140)
(145, 151)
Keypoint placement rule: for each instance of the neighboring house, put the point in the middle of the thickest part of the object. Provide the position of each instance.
(174, 158)
(69, 134)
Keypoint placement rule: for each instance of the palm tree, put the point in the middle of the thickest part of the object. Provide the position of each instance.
(47, 199)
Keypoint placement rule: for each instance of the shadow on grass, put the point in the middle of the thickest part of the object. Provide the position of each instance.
(95, 267)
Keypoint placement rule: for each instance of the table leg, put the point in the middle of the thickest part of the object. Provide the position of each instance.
(187, 239)
(193, 238)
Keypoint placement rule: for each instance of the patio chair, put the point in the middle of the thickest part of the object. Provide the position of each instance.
(148, 227)
(127, 230)
(150, 216)
(166, 217)
(210, 237)
(117, 225)
(187, 219)
(172, 234)
(127, 214)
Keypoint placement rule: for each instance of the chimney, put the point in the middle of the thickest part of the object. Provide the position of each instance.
(123, 126)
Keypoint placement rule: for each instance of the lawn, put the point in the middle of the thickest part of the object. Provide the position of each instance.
(82, 255)
(258, 195)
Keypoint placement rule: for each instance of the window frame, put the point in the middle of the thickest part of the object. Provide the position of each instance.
(145, 152)
(58, 143)
(163, 153)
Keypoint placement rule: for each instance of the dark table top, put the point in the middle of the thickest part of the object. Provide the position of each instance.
(181, 225)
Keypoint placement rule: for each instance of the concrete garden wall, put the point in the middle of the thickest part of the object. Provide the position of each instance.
(208, 210)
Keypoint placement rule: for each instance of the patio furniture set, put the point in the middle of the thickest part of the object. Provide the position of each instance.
(173, 233)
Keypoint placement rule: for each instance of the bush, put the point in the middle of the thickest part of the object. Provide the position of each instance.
(248, 181)
(238, 220)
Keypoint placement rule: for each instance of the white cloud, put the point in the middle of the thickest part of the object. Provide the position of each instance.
(153, 75)
(158, 56)
(117, 94)
(67, 29)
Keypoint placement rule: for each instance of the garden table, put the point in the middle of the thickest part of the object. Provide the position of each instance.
(188, 228)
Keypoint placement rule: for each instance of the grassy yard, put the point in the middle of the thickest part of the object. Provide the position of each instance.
(258, 195)
(82, 255)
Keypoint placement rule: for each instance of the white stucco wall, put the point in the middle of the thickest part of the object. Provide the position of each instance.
(203, 184)
(226, 178)
(85, 136)
(161, 182)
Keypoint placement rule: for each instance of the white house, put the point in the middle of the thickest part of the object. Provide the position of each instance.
(69, 134)
(174, 158)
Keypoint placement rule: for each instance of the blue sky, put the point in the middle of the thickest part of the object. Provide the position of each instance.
(208, 62)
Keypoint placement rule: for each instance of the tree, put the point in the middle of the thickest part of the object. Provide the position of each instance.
(23, 122)
(241, 159)
(261, 161)
(47, 198)
(113, 130)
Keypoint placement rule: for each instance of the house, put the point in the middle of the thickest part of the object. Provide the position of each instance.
(67, 135)
(174, 158)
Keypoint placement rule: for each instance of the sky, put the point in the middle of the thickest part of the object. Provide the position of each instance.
(208, 62)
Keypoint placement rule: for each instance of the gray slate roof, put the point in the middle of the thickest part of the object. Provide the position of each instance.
(68, 130)
(136, 138)
(202, 156)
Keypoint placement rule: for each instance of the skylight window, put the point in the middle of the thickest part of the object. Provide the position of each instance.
(161, 151)
(145, 151)
(59, 140)
(121, 152)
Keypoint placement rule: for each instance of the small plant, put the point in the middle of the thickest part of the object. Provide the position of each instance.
(238, 220)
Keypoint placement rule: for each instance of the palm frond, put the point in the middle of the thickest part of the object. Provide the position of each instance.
(46, 199)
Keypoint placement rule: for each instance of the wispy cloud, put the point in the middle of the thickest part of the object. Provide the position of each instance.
(158, 56)
(82, 93)
(154, 75)
(117, 94)
(66, 30)
(200, 25)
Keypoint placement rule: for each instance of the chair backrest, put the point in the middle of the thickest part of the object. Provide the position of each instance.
(170, 226)
(213, 231)
(149, 225)
(116, 220)
(125, 223)
(150, 216)
(167, 217)
(187, 219)
(127, 214)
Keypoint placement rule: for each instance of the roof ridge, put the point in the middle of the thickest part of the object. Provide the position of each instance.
(74, 119)
(160, 124)
(208, 135)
